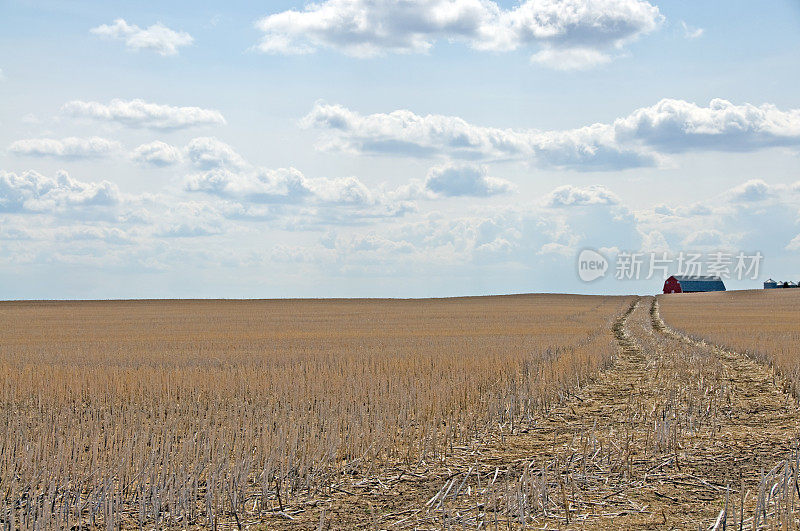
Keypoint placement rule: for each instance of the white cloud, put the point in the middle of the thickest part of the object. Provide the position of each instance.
(568, 195)
(139, 113)
(691, 33)
(403, 133)
(292, 201)
(465, 180)
(752, 190)
(49, 220)
(207, 153)
(643, 138)
(342, 191)
(226, 174)
(156, 153)
(157, 38)
(71, 147)
(33, 192)
(677, 126)
(285, 185)
(288, 186)
(365, 28)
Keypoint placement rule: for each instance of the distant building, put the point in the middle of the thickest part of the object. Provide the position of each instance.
(773, 284)
(693, 284)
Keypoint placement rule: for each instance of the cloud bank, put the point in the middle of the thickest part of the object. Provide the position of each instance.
(141, 114)
(66, 148)
(587, 30)
(643, 138)
(33, 192)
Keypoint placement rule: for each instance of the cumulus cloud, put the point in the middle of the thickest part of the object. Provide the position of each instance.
(285, 185)
(365, 28)
(68, 148)
(139, 113)
(464, 180)
(285, 196)
(403, 133)
(292, 201)
(208, 153)
(226, 174)
(643, 138)
(157, 153)
(676, 126)
(33, 192)
(752, 190)
(342, 191)
(568, 195)
(156, 38)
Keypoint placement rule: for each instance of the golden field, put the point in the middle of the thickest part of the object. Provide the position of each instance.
(508, 412)
(201, 413)
(763, 324)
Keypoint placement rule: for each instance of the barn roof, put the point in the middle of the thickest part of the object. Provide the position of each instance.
(700, 283)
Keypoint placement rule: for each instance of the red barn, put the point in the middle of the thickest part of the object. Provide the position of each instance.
(671, 285)
(693, 284)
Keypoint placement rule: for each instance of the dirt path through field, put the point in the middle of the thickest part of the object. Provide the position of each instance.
(668, 437)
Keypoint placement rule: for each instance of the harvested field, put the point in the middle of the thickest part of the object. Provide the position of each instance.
(202, 413)
(764, 324)
(502, 412)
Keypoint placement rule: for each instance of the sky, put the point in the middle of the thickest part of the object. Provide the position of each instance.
(372, 148)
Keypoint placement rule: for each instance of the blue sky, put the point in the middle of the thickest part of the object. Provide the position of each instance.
(372, 148)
